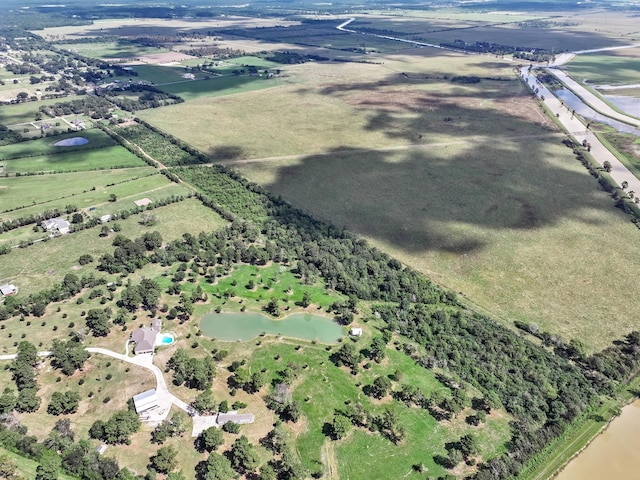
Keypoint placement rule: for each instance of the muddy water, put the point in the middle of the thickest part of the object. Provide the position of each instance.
(614, 454)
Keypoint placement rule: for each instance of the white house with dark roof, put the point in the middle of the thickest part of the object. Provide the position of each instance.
(145, 337)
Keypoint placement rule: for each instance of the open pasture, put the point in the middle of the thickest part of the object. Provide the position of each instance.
(605, 69)
(158, 74)
(319, 402)
(334, 106)
(499, 220)
(49, 191)
(98, 159)
(47, 146)
(455, 15)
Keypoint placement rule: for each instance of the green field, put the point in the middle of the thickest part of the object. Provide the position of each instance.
(333, 107)
(272, 281)
(111, 50)
(46, 146)
(73, 188)
(479, 219)
(158, 74)
(219, 86)
(98, 159)
(605, 69)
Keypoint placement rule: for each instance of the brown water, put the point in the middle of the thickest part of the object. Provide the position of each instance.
(614, 454)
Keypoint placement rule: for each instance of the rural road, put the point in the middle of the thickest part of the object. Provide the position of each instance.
(578, 130)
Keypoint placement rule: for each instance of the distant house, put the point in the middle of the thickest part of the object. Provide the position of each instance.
(235, 417)
(355, 332)
(145, 337)
(105, 218)
(145, 401)
(8, 290)
(56, 224)
(143, 202)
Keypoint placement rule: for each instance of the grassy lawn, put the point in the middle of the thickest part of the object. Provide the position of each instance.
(158, 74)
(27, 468)
(271, 281)
(605, 69)
(111, 49)
(425, 437)
(46, 146)
(125, 381)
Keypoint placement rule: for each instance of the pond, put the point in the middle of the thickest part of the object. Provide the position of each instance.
(245, 326)
(612, 454)
(71, 142)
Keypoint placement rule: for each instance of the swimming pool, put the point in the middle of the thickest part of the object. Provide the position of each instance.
(167, 338)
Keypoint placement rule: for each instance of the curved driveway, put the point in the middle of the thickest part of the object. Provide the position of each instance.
(165, 397)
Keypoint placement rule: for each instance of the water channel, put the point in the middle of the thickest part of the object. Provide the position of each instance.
(574, 103)
(242, 327)
(614, 454)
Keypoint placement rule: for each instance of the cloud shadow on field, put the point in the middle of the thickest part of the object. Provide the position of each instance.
(495, 174)
(426, 199)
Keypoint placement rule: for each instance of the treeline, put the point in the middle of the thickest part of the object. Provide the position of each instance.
(91, 105)
(164, 148)
(36, 303)
(215, 53)
(498, 49)
(346, 262)
(148, 96)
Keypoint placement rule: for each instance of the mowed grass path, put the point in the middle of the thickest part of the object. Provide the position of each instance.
(519, 227)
